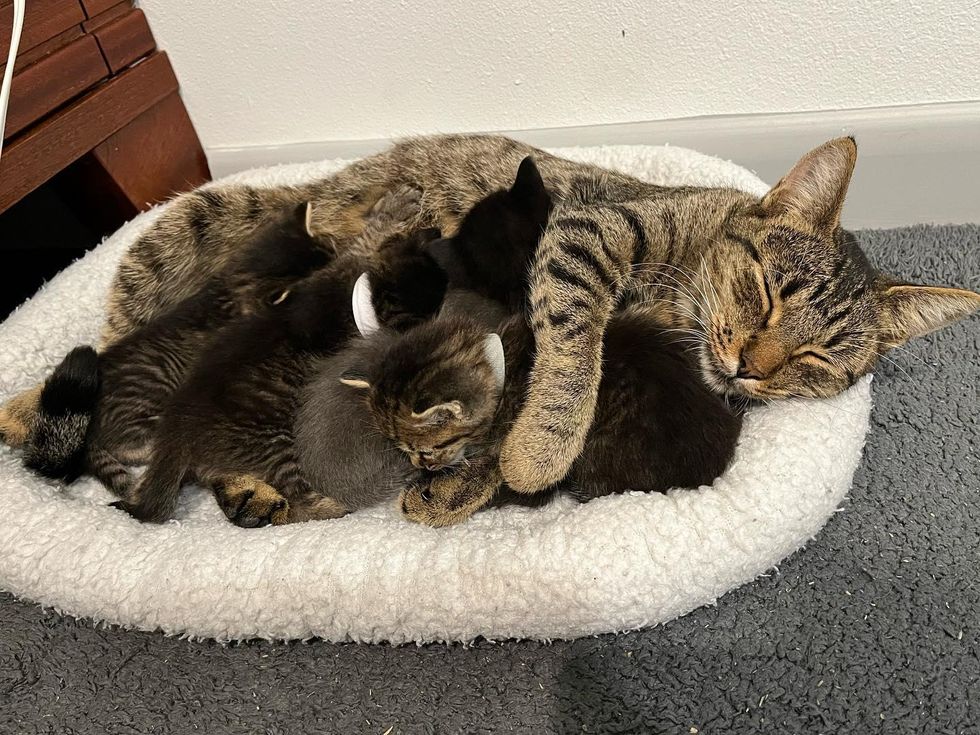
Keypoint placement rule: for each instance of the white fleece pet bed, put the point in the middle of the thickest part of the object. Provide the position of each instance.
(568, 570)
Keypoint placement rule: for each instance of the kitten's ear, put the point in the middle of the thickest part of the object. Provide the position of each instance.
(440, 413)
(529, 191)
(815, 187)
(308, 219)
(355, 379)
(364, 315)
(912, 311)
(493, 348)
(303, 217)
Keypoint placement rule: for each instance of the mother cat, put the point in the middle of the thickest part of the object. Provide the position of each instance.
(780, 298)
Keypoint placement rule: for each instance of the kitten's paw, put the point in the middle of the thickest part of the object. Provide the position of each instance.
(444, 500)
(17, 417)
(533, 458)
(398, 205)
(139, 511)
(251, 503)
(319, 508)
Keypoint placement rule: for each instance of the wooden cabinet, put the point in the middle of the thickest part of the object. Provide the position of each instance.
(90, 86)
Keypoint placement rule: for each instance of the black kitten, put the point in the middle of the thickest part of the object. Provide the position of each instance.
(229, 426)
(98, 413)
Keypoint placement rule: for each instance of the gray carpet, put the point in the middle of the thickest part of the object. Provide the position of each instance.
(874, 627)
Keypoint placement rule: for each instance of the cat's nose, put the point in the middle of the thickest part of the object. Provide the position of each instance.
(760, 358)
(748, 369)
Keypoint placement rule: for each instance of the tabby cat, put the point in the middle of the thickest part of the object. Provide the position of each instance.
(779, 295)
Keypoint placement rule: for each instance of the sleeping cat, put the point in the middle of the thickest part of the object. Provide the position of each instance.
(779, 296)
(341, 449)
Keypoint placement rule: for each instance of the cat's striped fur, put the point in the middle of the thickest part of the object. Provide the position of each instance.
(780, 301)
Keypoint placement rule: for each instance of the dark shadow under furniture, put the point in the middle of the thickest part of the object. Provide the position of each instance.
(96, 132)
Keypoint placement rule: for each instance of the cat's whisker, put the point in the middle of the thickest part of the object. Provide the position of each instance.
(684, 311)
(906, 350)
(894, 363)
(681, 305)
(707, 279)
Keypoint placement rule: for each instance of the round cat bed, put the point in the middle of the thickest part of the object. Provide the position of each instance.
(568, 570)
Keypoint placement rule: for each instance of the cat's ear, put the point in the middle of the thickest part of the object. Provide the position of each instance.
(440, 413)
(493, 349)
(815, 187)
(529, 191)
(912, 311)
(355, 379)
(364, 315)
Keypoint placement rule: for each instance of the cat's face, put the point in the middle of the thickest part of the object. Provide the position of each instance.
(433, 390)
(786, 304)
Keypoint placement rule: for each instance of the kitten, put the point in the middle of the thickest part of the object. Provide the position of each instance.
(98, 413)
(341, 450)
(233, 414)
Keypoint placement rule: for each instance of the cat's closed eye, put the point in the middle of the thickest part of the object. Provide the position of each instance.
(768, 305)
(813, 354)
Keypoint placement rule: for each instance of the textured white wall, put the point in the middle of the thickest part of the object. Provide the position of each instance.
(265, 72)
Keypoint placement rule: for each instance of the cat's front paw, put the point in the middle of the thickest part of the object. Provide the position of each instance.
(251, 503)
(444, 500)
(533, 458)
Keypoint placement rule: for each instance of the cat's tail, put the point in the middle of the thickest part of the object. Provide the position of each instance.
(55, 446)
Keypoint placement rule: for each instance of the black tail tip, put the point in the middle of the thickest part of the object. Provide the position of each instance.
(55, 447)
(74, 385)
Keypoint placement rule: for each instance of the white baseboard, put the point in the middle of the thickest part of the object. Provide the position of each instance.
(917, 164)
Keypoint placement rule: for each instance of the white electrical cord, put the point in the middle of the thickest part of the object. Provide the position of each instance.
(8, 73)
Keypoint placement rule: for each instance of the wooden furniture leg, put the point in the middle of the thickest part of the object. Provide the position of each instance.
(146, 162)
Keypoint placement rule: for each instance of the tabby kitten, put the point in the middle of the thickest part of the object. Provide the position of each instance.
(233, 414)
(782, 302)
(344, 452)
(98, 413)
